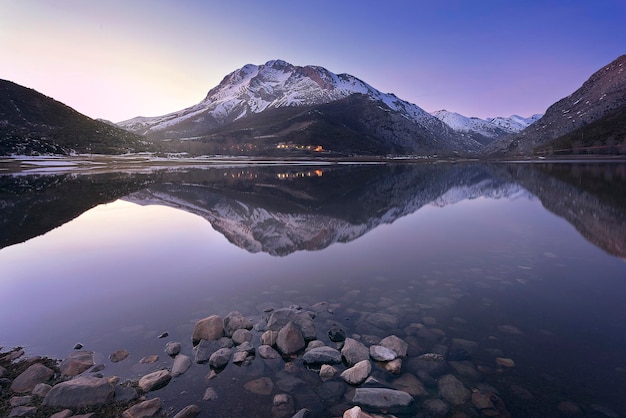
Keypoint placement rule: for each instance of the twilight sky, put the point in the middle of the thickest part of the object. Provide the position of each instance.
(118, 59)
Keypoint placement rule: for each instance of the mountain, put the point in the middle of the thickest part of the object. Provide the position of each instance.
(487, 130)
(603, 95)
(303, 101)
(31, 123)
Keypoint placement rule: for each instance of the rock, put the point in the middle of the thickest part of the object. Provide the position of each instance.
(149, 359)
(322, 355)
(205, 349)
(78, 346)
(269, 338)
(282, 405)
(505, 362)
(23, 411)
(163, 335)
(125, 393)
(76, 363)
(290, 339)
(460, 345)
(314, 344)
(353, 351)
(380, 353)
(234, 321)
(394, 366)
(465, 368)
(569, 408)
(190, 411)
(66, 413)
(382, 320)
(356, 412)
(436, 407)
(482, 400)
(97, 368)
(287, 382)
(239, 356)
(155, 380)
(261, 386)
(41, 389)
(241, 336)
(181, 364)
(411, 385)
(336, 334)
(209, 395)
(303, 413)
(210, 329)
(510, 329)
(80, 392)
(358, 373)
(267, 352)
(220, 358)
(173, 348)
(304, 320)
(118, 355)
(430, 364)
(2, 371)
(521, 392)
(20, 400)
(327, 372)
(453, 390)
(29, 378)
(13, 355)
(331, 391)
(145, 409)
(384, 400)
(398, 345)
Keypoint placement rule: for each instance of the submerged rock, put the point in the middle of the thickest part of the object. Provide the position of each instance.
(181, 364)
(261, 386)
(322, 355)
(304, 320)
(220, 358)
(353, 351)
(234, 321)
(76, 363)
(190, 411)
(358, 373)
(453, 390)
(398, 345)
(380, 353)
(144, 409)
(173, 348)
(290, 339)
(155, 380)
(118, 355)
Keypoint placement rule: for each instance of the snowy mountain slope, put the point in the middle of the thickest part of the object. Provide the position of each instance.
(490, 127)
(514, 123)
(254, 89)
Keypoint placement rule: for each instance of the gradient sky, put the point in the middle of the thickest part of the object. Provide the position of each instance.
(120, 59)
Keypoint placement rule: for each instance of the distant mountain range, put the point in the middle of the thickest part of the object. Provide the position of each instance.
(279, 109)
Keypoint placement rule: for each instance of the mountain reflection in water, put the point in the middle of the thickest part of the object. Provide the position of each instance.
(283, 209)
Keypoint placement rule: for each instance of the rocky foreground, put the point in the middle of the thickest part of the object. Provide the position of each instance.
(306, 371)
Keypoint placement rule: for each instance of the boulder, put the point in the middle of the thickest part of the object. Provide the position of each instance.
(76, 363)
(31, 377)
(380, 353)
(173, 348)
(220, 358)
(205, 349)
(282, 405)
(290, 339)
(145, 409)
(384, 400)
(398, 345)
(304, 320)
(210, 329)
(358, 373)
(261, 386)
(322, 355)
(234, 321)
(353, 351)
(155, 380)
(241, 336)
(269, 337)
(80, 392)
(22, 411)
(410, 384)
(267, 352)
(190, 411)
(327, 372)
(118, 355)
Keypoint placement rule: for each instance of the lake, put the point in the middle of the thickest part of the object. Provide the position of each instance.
(514, 273)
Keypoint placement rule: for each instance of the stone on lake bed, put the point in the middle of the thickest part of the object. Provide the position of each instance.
(210, 395)
(181, 364)
(267, 352)
(452, 390)
(358, 373)
(396, 344)
(241, 336)
(23, 411)
(155, 380)
(82, 391)
(234, 321)
(261, 386)
(118, 355)
(220, 358)
(327, 372)
(322, 355)
(505, 362)
(190, 411)
(149, 359)
(354, 351)
(269, 337)
(303, 319)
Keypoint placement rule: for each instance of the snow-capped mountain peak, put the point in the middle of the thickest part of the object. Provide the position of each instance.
(490, 128)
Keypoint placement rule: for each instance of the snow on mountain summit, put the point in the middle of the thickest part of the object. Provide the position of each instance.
(255, 88)
(490, 127)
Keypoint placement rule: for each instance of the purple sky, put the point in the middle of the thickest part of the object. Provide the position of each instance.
(120, 59)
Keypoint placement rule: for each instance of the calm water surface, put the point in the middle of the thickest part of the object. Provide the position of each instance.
(527, 261)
